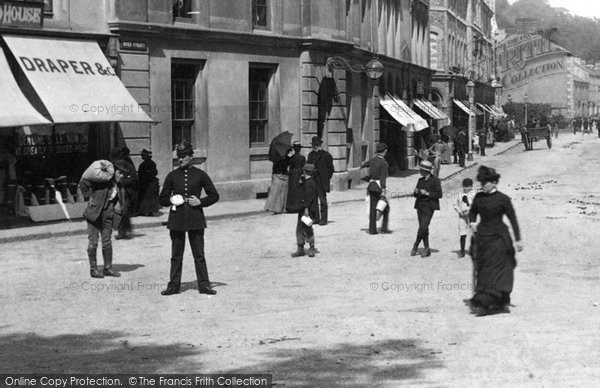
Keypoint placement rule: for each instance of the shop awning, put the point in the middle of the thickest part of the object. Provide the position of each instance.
(411, 121)
(15, 109)
(499, 110)
(474, 108)
(74, 80)
(464, 107)
(430, 110)
(486, 109)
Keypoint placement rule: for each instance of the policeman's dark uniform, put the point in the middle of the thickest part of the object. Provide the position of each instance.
(426, 204)
(187, 181)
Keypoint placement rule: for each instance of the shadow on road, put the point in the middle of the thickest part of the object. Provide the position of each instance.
(347, 365)
(127, 267)
(96, 352)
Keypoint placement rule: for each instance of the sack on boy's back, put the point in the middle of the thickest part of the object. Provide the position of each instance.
(99, 171)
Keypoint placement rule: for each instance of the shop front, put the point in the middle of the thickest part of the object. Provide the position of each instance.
(66, 97)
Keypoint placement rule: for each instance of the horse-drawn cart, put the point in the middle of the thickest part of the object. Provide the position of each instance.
(529, 135)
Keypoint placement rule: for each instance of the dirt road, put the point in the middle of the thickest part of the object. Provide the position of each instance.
(361, 313)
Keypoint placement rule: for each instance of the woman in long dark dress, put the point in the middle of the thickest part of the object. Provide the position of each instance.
(297, 161)
(493, 253)
(148, 185)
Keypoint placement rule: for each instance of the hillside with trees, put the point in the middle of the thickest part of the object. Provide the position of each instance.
(579, 35)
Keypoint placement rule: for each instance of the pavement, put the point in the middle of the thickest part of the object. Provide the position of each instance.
(398, 187)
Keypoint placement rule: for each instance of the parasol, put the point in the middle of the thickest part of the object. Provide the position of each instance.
(280, 146)
(449, 130)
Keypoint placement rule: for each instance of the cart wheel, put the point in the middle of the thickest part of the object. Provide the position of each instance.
(549, 142)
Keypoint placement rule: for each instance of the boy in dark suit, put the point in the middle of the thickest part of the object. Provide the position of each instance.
(309, 208)
(427, 193)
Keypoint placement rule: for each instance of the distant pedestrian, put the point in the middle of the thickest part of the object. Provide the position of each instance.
(555, 129)
(461, 145)
(101, 213)
(127, 186)
(462, 207)
(376, 190)
(494, 256)
(427, 193)
(307, 212)
(437, 149)
(482, 140)
(297, 161)
(148, 185)
(182, 191)
(323, 162)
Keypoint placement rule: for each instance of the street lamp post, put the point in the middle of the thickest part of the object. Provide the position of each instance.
(525, 98)
(471, 94)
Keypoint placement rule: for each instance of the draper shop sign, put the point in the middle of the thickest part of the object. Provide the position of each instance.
(21, 14)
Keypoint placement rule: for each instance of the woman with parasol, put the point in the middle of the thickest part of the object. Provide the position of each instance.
(279, 154)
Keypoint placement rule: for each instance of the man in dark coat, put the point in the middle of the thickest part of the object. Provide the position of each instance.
(461, 146)
(297, 161)
(427, 193)
(308, 207)
(127, 187)
(182, 191)
(378, 171)
(323, 162)
(148, 185)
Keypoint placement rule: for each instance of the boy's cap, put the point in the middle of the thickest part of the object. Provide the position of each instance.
(467, 182)
(309, 168)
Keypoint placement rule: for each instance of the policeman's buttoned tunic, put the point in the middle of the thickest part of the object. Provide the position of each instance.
(187, 182)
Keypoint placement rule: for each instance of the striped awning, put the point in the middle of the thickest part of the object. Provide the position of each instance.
(410, 120)
(464, 107)
(430, 109)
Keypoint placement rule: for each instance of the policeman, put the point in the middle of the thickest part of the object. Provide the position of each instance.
(182, 191)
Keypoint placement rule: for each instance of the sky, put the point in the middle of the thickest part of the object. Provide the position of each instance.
(587, 8)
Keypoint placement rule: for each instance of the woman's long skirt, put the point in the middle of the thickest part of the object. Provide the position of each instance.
(494, 264)
(277, 193)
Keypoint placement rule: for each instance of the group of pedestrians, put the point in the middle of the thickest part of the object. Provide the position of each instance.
(287, 173)
(480, 214)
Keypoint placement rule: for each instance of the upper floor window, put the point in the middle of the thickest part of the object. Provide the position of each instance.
(259, 80)
(182, 9)
(260, 14)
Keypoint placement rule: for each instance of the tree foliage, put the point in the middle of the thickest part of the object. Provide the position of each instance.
(579, 35)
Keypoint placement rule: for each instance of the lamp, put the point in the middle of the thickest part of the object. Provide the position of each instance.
(471, 94)
(373, 69)
(525, 98)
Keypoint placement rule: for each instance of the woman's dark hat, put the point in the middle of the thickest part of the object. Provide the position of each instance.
(316, 141)
(487, 174)
(146, 152)
(297, 144)
(184, 150)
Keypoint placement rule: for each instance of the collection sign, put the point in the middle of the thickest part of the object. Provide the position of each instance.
(21, 14)
(523, 58)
